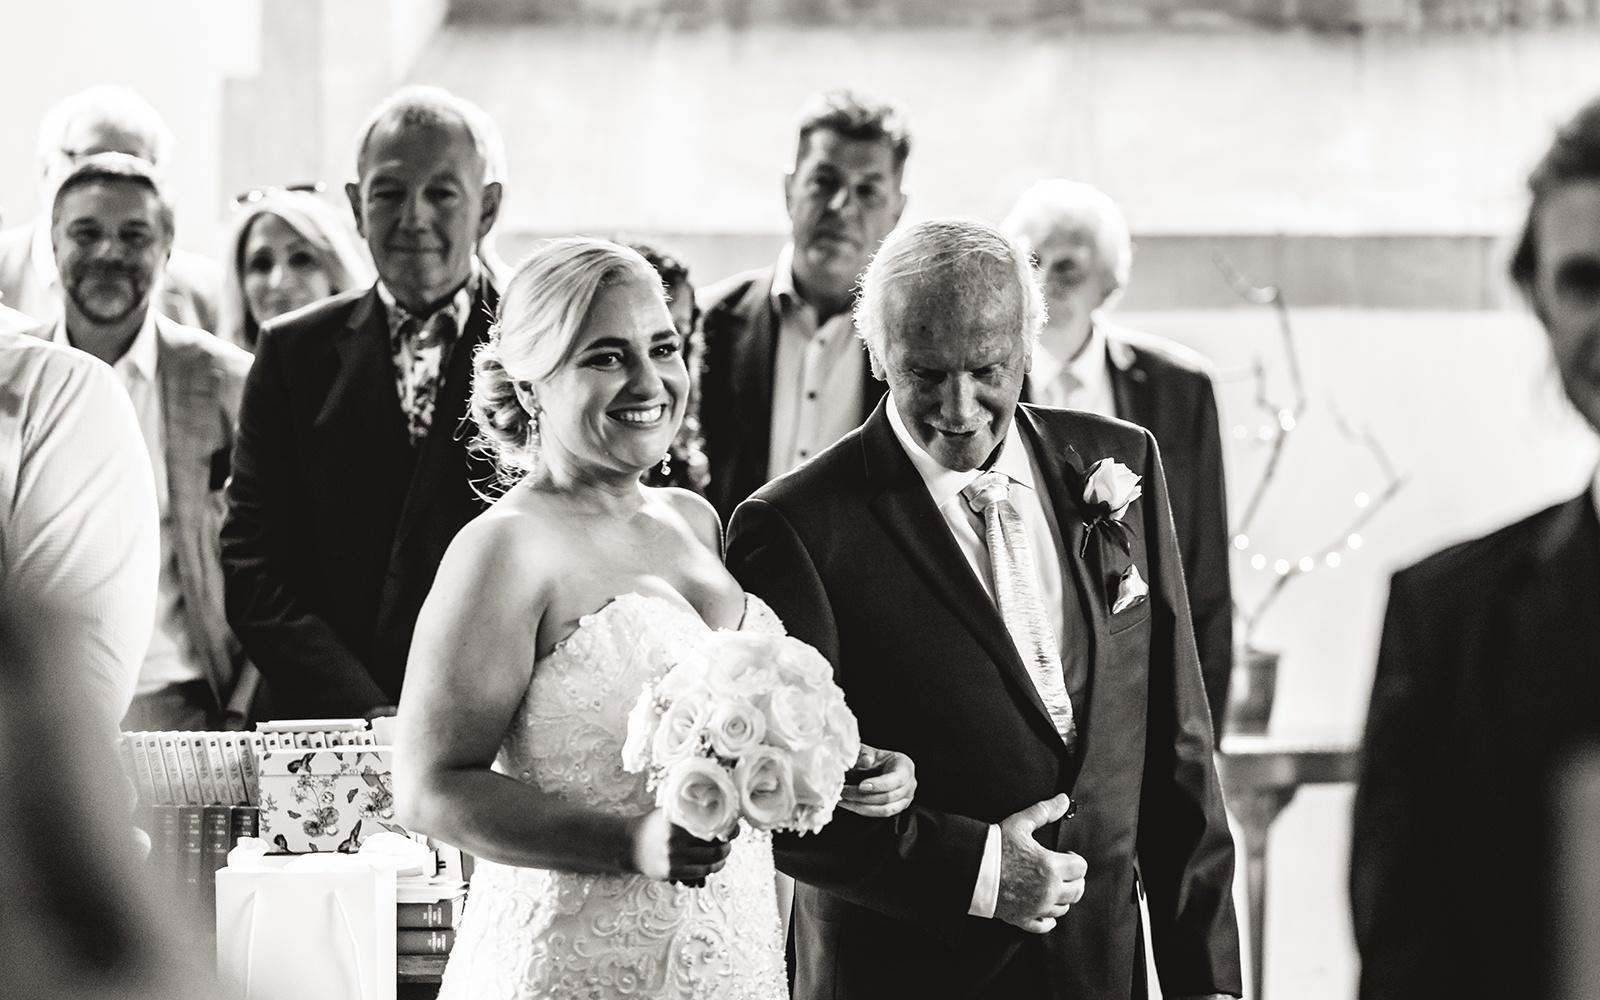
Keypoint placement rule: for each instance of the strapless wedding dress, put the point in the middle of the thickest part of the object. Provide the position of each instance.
(529, 932)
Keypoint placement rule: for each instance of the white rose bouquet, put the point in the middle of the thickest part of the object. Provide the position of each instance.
(751, 728)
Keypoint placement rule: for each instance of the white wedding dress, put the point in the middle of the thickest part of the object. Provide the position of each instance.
(530, 932)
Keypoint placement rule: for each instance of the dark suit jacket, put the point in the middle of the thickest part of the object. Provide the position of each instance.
(741, 336)
(1489, 668)
(335, 525)
(852, 554)
(1166, 389)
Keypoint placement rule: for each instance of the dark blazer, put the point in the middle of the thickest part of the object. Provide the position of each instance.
(1166, 389)
(741, 336)
(852, 554)
(1489, 668)
(336, 525)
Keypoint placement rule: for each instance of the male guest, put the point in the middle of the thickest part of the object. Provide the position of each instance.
(1081, 245)
(999, 590)
(1488, 677)
(78, 535)
(100, 120)
(112, 230)
(352, 475)
(784, 375)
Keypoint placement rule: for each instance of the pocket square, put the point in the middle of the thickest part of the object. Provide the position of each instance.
(1132, 591)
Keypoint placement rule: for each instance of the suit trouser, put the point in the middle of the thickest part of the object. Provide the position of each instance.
(187, 706)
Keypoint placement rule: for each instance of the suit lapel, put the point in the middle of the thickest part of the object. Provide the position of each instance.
(906, 511)
(753, 355)
(363, 390)
(1063, 468)
(192, 434)
(1553, 610)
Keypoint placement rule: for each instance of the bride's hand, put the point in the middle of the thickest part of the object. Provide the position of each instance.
(662, 850)
(882, 783)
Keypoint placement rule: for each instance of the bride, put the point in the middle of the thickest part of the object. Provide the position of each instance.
(548, 615)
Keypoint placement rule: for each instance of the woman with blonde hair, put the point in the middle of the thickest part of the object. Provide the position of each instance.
(549, 614)
(286, 249)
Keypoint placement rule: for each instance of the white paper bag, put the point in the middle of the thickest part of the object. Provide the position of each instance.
(292, 934)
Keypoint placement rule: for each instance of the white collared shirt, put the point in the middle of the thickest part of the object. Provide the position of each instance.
(1045, 544)
(170, 658)
(816, 375)
(79, 537)
(1082, 382)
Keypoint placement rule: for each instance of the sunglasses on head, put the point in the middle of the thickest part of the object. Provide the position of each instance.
(256, 194)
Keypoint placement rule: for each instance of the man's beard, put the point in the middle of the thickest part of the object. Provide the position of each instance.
(137, 282)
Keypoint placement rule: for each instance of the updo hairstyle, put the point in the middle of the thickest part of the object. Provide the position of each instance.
(541, 313)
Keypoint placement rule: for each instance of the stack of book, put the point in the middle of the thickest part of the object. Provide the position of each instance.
(198, 794)
(427, 913)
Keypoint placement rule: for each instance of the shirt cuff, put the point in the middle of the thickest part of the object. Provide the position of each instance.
(986, 894)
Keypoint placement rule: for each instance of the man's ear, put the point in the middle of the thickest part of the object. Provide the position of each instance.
(899, 208)
(788, 194)
(352, 191)
(491, 208)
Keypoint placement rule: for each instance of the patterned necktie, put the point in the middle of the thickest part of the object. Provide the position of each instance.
(1016, 592)
(420, 348)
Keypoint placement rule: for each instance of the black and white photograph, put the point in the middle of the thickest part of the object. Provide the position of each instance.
(800, 499)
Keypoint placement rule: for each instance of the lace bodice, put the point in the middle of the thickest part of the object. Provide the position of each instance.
(530, 932)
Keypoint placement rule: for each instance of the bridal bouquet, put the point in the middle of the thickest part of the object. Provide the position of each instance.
(751, 727)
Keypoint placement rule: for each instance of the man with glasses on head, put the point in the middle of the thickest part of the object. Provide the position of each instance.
(111, 226)
(784, 374)
(351, 479)
(103, 119)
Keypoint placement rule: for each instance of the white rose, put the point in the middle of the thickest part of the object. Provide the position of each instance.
(699, 796)
(641, 728)
(766, 787)
(686, 679)
(818, 776)
(1113, 484)
(844, 734)
(678, 730)
(802, 661)
(741, 666)
(795, 716)
(736, 726)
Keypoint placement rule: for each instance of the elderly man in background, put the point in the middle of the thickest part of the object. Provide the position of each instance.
(784, 375)
(1081, 245)
(351, 477)
(998, 588)
(102, 119)
(112, 232)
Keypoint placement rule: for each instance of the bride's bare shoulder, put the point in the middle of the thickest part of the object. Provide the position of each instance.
(697, 512)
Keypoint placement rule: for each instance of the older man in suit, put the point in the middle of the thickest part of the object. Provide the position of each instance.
(352, 475)
(112, 232)
(999, 590)
(784, 376)
(105, 119)
(1081, 244)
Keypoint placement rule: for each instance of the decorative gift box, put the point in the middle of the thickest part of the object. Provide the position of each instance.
(330, 799)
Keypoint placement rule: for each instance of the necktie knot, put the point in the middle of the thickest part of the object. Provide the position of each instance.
(431, 331)
(987, 490)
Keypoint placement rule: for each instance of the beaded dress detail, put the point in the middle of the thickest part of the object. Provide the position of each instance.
(534, 933)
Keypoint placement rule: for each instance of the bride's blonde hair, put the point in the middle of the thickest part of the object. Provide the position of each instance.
(541, 313)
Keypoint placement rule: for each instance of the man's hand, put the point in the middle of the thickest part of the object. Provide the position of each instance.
(1037, 886)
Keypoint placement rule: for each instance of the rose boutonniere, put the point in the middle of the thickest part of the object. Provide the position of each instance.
(1109, 487)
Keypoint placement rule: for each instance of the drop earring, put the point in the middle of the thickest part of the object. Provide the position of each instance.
(666, 464)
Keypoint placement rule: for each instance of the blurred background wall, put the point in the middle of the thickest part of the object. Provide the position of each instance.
(1365, 156)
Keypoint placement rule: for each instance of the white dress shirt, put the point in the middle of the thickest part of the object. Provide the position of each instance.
(1082, 382)
(816, 375)
(79, 529)
(170, 658)
(1018, 463)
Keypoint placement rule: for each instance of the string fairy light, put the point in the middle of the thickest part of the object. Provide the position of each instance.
(1278, 423)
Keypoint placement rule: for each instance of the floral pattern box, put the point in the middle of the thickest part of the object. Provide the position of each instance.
(326, 800)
